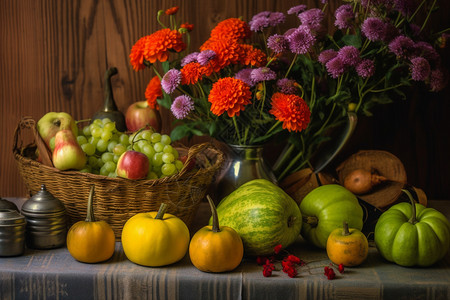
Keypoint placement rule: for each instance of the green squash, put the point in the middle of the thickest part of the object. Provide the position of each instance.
(324, 209)
(263, 215)
(412, 235)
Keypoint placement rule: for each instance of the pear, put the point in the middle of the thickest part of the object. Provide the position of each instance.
(67, 153)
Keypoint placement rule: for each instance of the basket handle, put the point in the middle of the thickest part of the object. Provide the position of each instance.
(44, 152)
(192, 152)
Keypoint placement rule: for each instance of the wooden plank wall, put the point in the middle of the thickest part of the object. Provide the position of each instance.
(53, 55)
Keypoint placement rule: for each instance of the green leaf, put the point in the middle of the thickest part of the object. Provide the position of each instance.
(165, 66)
(352, 40)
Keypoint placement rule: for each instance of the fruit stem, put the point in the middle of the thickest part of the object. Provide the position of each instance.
(291, 221)
(161, 211)
(311, 220)
(215, 223)
(345, 230)
(90, 210)
(413, 219)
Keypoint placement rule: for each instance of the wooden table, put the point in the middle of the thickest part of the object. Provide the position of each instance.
(54, 274)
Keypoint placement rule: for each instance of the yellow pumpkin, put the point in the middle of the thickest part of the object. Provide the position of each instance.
(216, 248)
(347, 246)
(91, 241)
(155, 239)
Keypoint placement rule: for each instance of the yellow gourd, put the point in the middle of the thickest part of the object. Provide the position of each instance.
(347, 246)
(91, 241)
(216, 248)
(155, 239)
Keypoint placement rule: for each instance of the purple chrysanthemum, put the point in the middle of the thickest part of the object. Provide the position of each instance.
(277, 43)
(326, 55)
(205, 56)
(266, 19)
(420, 69)
(349, 55)
(312, 18)
(335, 67)
(344, 16)
(244, 75)
(171, 80)
(402, 46)
(437, 80)
(287, 86)
(276, 18)
(365, 68)
(262, 74)
(374, 29)
(191, 57)
(295, 10)
(301, 40)
(182, 106)
(427, 51)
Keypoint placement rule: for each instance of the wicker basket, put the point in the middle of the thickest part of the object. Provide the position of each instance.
(118, 199)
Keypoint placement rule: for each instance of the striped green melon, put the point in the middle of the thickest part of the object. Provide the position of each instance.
(263, 215)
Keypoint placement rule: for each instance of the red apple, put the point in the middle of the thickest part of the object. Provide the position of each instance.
(132, 165)
(140, 115)
(191, 164)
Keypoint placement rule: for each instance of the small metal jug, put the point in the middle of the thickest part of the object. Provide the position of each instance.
(46, 220)
(12, 232)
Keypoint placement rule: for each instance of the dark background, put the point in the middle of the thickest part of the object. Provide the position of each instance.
(53, 55)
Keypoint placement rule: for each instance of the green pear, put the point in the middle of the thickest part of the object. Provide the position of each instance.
(68, 153)
(52, 122)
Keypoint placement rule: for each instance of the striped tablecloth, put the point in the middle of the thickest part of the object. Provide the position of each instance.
(54, 274)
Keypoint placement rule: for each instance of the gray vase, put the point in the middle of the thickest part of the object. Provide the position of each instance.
(242, 164)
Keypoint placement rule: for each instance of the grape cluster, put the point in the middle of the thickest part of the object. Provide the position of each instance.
(104, 144)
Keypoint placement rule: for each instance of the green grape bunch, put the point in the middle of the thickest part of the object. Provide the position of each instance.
(103, 145)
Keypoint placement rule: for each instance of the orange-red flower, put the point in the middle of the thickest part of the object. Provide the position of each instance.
(232, 28)
(229, 95)
(187, 26)
(191, 73)
(153, 92)
(158, 44)
(292, 110)
(252, 56)
(137, 54)
(227, 51)
(172, 10)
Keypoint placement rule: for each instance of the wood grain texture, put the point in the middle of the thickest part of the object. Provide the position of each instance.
(53, 55)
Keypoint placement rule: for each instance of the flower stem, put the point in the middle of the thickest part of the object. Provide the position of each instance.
(291, 65)
(237, 130)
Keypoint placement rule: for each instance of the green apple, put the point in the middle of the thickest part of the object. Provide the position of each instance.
(52, 122)
(68, 153)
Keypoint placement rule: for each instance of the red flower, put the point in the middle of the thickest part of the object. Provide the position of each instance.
(137, 54)
(153, 92)
(172, 10)
(341, 268)
(158, 44)
(229, 95)
(292, 110)
(232, 28)
(292, 272)
(329, 272)
(187, 26)
(277, 249)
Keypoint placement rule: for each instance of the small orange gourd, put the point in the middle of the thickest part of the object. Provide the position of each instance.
(216, 248)
(91, 241)
(347, 246)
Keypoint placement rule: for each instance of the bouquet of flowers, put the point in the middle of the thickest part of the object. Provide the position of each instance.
(252, 83)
